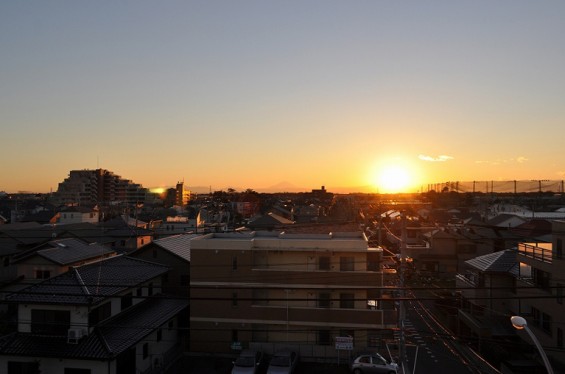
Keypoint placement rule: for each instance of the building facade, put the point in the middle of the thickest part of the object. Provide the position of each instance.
(267, 290)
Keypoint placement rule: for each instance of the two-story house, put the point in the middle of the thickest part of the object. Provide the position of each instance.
(104, 317)
(268, 290)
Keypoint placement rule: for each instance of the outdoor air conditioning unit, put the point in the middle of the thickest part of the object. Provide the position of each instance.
(74, 335)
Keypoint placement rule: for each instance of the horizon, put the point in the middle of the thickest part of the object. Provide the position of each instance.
(386, 95)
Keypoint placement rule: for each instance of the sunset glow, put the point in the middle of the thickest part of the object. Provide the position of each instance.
(393, 179)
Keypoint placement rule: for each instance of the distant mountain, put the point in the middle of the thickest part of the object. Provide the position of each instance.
(282, 187)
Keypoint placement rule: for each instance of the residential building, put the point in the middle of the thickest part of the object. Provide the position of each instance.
(487, 296)
(106, 317)
(265, 290)
(76, 214)
(99, 187)
(540, 290)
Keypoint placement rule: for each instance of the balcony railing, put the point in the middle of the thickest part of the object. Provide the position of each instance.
(538, 251)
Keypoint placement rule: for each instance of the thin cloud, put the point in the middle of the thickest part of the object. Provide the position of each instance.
(441, 158)
(519, 160)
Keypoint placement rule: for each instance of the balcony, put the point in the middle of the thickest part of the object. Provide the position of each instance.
(537, 251)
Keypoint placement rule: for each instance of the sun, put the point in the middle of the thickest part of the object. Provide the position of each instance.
(393, 179)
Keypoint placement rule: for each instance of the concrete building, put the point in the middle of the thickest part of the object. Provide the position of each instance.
(268, 290)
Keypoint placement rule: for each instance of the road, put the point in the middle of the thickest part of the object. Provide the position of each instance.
(431, 347)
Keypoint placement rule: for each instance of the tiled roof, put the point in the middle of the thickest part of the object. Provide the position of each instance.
(177, 244)
(69, 251)
(91, 283)
(108, 339)
(501, 262)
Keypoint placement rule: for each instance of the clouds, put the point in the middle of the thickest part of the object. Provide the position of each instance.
(441, 158)
(519, 160)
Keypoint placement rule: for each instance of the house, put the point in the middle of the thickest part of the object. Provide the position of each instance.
(76, 214)
(487, 295)
(174, 252)
(104, 317)
(270, 221)
(266, 290)
(56, 257)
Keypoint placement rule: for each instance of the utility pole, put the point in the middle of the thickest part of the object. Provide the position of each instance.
(402, 310)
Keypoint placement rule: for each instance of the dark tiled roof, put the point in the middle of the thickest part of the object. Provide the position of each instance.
(108, 339)
(91, 283)
(177, 244)
(68, 251)
(501, 262)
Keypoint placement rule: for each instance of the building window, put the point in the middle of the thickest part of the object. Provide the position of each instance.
(346, 263)
(50, 322)
(234, 263)
(126, 301)
(99, 314)
(145, 350)
(324, 300)
(77, 371)
(546, 323)
(541, 278)
(558, 248)
(234, 299)
(346, 300)
(324, 263)
(15, 367)
(324, 337)
(42, 274)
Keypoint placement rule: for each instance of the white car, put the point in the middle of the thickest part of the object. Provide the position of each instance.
(283, 362)
(248, 362)
(373, 363)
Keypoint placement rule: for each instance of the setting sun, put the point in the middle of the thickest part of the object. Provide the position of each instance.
(392, 179)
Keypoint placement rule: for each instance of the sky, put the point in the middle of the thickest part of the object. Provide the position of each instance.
(305, 93)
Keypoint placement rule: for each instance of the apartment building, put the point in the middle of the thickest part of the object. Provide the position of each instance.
(540, 287)
(267, 290)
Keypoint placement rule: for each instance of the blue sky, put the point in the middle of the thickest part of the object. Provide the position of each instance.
(252, 93)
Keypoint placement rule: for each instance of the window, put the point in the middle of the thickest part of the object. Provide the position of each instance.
(546, 323)
(50, 322)
(324, 337)
(324, 263)
(324, 300)
(145, 350)
(234, 299)
(559, 248)
(15, 367)
(76, 371)
(42, 274)
(126, 301)
(346, 263)
(541, 278)
(234, 263)
(346, 301)
(99, 314)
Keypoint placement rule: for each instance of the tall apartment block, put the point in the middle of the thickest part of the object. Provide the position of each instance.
(98, 187)
(269, 290)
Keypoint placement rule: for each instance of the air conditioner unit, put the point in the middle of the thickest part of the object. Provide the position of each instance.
(74, 335)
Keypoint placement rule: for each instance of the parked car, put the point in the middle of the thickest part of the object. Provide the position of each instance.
(283, 362)
(247, 362)
(373, 363)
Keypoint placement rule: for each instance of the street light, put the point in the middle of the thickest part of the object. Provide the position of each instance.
(520, 324)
